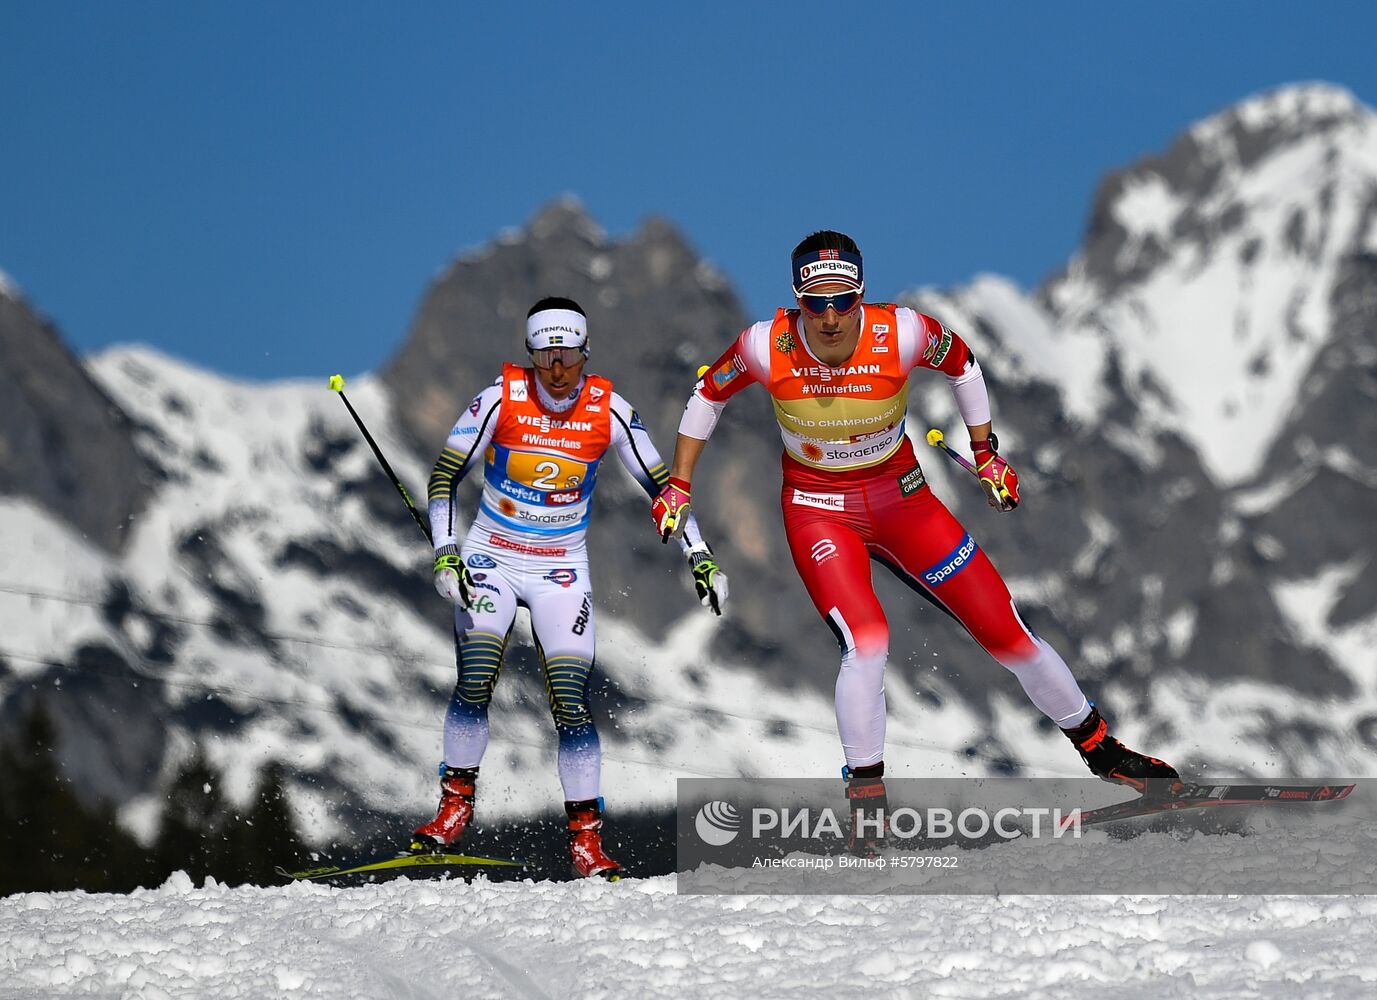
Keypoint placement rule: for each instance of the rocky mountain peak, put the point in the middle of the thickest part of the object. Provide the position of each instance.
(1293, 143)
(471, 318)
(64, 444)
(1266, 123)
(1208, 270)
(565, 217)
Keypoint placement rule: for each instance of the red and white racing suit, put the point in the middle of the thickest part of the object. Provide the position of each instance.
(853, 491)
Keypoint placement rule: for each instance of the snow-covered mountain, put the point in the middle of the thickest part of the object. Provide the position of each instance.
(273, 602)
(1208, 364)
(1189, 405)
(1209, 272)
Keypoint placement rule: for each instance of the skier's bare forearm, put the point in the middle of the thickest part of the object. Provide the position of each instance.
(686, 453)
(670, 509)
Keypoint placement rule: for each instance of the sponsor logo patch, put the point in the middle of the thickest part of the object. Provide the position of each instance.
(473, 407)
(530, 550)
(841, 268)
(517, 390)
(552, 328)
(826, 501)
(911, 481)
(725, 374)
(564, 577)
(828, 374)
(480, 561)
(580, 625)
(483, 606)
(954, 562)
(546, 423)
(823, 549)
(524, 493)
(938, 347)
(563, 497)
(636, 423)
(784, 343)
(596, 392)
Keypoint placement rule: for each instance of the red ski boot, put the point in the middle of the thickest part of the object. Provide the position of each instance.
(455, 812)
(1113, 761)
(865, 789)
(585, 841)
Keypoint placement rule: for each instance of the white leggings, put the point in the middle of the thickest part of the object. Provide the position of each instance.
(559, 596)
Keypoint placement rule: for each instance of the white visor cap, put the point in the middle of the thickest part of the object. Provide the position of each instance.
(556, 328)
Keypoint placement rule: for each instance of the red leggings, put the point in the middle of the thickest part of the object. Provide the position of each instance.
(837, 522)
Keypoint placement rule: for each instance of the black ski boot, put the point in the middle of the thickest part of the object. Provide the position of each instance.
(865, 790)
(1114, 762)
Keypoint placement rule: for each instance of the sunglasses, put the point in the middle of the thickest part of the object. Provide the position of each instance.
(567, 356)
(843, 302)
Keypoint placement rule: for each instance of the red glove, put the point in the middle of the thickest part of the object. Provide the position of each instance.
(997, 476)
(670, 509)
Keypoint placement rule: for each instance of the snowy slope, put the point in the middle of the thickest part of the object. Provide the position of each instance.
(638, 938)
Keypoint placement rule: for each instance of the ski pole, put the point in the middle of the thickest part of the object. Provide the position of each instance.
(337, 385)
(936, 440)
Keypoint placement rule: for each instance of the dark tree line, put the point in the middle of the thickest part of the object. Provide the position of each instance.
(50, 840)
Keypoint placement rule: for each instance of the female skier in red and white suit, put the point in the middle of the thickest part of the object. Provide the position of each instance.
(837, 369)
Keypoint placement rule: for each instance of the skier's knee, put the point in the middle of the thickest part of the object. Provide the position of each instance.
(567, 680)
(571, 714)
(866, 640)
(480, 659)
(475, 691)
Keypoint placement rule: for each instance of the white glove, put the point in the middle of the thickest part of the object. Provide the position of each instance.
(452, 579)
(708, 579)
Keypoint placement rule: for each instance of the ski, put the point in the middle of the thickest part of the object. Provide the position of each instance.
(403, 861)
(1202, 796)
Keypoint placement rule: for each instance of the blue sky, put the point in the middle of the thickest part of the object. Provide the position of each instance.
(268, 189)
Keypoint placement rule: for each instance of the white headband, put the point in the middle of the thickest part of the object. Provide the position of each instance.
(556, 328)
